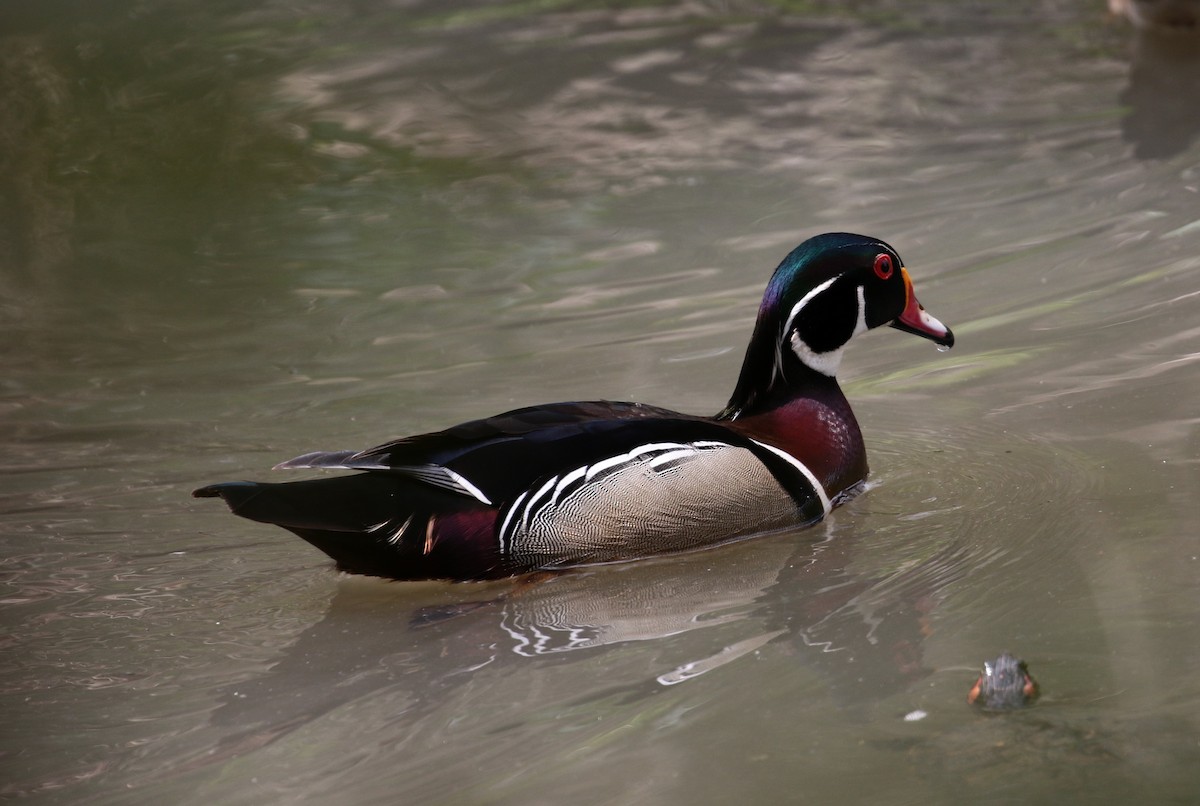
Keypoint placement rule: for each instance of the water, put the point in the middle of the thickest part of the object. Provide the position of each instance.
(238, 233)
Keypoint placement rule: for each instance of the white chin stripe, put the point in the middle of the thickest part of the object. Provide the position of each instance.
(826, 363)
(860, 324)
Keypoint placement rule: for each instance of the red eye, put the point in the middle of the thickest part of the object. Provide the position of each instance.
(883, 266)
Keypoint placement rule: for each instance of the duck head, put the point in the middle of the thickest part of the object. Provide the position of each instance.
(825, 292)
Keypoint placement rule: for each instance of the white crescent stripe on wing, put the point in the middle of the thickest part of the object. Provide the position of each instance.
(461, 481)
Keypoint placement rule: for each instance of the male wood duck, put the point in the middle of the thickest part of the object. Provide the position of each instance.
(568, 484)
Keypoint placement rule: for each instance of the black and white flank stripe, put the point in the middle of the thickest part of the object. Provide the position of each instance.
(659, 497)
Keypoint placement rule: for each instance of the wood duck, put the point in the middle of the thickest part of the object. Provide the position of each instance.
(569, 484)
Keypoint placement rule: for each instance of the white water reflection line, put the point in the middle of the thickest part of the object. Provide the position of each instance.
(693, 669)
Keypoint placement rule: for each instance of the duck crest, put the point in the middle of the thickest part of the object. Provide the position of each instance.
(567, 484)
(814, 303)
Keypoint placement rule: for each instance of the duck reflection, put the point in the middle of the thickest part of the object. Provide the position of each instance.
(1170, 16)
(1163, 95)
(860, 632)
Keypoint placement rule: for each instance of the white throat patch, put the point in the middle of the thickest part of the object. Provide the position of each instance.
(826, 363)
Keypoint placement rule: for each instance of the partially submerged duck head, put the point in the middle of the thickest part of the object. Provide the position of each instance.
(1004, 685)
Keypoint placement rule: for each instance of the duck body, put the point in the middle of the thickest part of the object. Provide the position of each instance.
(569, 484)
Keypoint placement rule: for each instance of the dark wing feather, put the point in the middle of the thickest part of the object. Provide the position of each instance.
(498, 458)
(335, 460)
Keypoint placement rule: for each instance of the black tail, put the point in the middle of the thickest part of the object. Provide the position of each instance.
(371, 523)
(340, 504)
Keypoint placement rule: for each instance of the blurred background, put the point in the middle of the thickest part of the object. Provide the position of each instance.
(234, 232)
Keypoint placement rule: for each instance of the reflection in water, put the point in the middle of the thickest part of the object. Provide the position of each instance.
(862, 636)
(37, 208)
(1163, 95)
(1164, 16)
